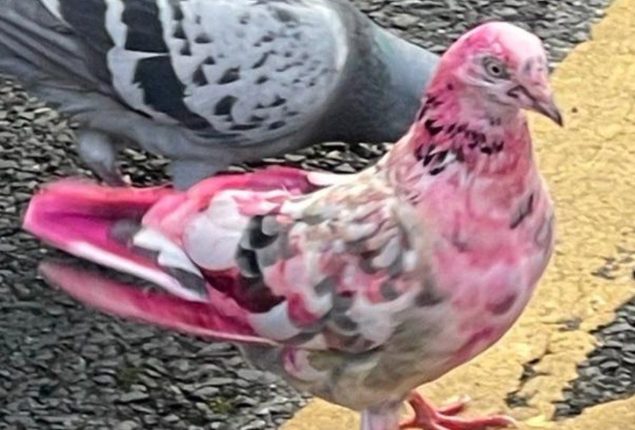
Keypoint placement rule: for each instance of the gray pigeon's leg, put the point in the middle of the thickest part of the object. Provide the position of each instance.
(186, 173)
(98, 151)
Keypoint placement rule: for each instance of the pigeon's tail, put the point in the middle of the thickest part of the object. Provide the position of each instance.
(127, 301)
(82, 218)
(40, 50)
(95, 223)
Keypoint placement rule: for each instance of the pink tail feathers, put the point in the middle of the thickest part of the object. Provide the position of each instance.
(73, 210)
(201, 319)
(78, 217)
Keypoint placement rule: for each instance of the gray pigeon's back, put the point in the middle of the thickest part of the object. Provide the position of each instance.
(208, 83)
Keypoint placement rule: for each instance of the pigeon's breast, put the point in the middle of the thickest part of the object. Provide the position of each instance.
(493, 270)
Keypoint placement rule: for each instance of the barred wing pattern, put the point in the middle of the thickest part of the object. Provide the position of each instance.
(239, 70)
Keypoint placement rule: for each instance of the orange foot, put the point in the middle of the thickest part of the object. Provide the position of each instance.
(428, 418)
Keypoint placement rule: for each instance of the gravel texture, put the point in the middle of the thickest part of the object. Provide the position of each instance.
(609, 371)
(64, 366)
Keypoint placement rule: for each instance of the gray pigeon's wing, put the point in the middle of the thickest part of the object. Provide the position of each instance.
(243, 71)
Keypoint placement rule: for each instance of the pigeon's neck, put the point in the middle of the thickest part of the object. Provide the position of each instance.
(386, 79)
(458, 142)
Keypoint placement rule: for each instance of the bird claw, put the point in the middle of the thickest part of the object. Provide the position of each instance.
(456, 407)
(428, 418)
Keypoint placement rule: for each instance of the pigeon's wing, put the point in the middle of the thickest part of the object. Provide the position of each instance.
(340, 269)
(241, 70)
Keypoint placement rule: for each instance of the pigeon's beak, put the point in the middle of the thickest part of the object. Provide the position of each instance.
(537, 88)
(545, 105)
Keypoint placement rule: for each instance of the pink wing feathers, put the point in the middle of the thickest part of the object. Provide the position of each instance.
(250, 258)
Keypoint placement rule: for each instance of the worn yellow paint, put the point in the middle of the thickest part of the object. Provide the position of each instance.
(590, 165)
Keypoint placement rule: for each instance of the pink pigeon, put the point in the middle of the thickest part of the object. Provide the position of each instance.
(356, 288)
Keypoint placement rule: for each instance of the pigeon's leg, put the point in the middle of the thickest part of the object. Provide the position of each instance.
(186, 173)
(97, 150)
(383, 418)
(428, 418)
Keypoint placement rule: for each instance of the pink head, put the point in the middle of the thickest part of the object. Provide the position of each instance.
(501, 68)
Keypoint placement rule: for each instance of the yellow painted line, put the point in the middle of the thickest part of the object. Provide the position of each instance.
(590, 165)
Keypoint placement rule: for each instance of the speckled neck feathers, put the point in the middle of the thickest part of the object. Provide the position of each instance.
(485, 144)
(478, 157)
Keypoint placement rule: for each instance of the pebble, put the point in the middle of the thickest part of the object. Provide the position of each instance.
(206, 392)
(404, 21)
(256, 425)
(170, 419)
(128, 425)
(219, 381)
(133, 396)
(250, 374)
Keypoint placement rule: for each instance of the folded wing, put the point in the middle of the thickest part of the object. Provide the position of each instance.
(245, 257)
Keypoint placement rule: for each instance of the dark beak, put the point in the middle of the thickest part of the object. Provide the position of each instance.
(548, 108)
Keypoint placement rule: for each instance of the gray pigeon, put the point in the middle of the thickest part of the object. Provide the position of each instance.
(208, 83)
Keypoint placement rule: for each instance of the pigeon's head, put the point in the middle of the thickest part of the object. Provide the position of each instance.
(501, 68)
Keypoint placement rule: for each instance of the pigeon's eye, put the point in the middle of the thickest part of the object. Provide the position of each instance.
(495, 68)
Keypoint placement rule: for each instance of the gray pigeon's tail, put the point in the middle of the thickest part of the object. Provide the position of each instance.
(40, 50)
